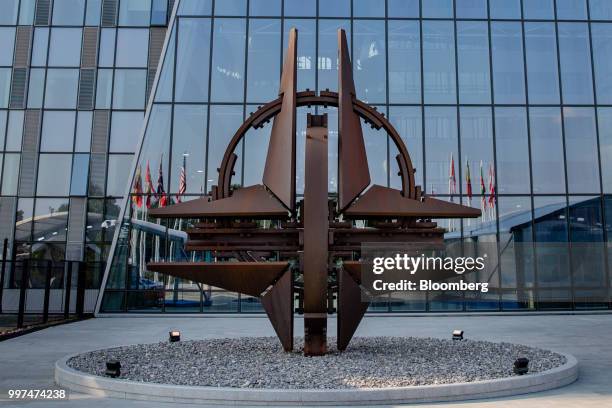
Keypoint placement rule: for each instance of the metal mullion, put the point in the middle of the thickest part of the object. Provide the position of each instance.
(422, 106)
(244, 95)
(601, 189)
(212, 34)
(494, 139)
(567, 208)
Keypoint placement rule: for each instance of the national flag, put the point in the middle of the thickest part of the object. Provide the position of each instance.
(182, 181)
(468, 181)
(160, 194)
(452, 181)
(137, 188)
(483, 192)
(148, 185)
(491, 186)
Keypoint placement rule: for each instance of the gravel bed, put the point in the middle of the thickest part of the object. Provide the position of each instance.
(260, 362)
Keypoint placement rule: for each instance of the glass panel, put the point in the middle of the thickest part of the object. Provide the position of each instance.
(26, 10)
(80, 173)
(263, 60)
(306, 55)
(403, 8)
(328, 52)
(572, 10)
(14, 130)
(50, 219)
(159, 12)
(516, 259)
(119, 166)
(300, 8)
(471, 8)
(404, 61)
(61, 91)
(600, 9)
(104, 88)
(265, 7)
(437, 8)
(369, 60)
(547, 160)
(156, 143)
(605, 147)
(581, 150)
(129, 89)
(256, 148)
(376, 151)
(10, 173)
(368, 8)
(508, 75)
(134, 12)
(58, 131)
(224, 120)
(7, 43)
(23, 219)
(92, 13)
(542, 74)
(439, 62)
(107, 47)
(68, 12)
(165, 84)
(588, 267)
(228, 60)
(441, 148)
(5, 86)
(338, 8)
(512, 150)
(40, 46)
(575, 57)
(602, 58)
(192, 63)
(9, 12)
(53, 175)
(538, 9)
(83, 132)
(230, 8)
(505, 9)
(125, 131)
(132, 47)
(473, 61)
(195, 7)
(36, 88)
(476, 147)
(189, 139)
(3, 122)
(65, 47)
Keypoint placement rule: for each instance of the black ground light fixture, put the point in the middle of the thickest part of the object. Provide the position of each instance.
(521, 366)
(174, 336)
(457, 334)
(113, 368)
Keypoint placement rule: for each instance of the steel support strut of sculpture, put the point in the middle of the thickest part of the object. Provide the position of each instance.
(310, 246)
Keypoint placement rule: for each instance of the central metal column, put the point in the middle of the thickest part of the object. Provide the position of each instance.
(316, 219)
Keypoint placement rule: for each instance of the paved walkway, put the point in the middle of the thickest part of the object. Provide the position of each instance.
(27, 361)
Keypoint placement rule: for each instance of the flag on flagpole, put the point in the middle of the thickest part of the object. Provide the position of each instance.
(452, 181)
(137, 188)
(148, 185)
(491, 190)
(483, 192)
(182, 181)
(468, 181)
(160, 194)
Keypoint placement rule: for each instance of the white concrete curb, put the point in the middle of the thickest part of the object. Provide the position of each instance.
(107, 387)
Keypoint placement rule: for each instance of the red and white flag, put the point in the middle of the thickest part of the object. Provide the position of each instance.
(182, 181)
(160, 194)
(148, 185)
(452, 180)
(137, 188)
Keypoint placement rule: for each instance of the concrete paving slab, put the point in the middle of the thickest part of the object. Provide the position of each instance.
(28, 361)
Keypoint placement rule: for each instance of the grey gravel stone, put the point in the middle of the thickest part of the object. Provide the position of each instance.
(260, 362)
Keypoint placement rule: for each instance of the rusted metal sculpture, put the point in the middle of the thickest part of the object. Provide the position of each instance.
(310, 246)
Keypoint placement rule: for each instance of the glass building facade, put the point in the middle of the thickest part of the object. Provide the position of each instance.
(514, 96)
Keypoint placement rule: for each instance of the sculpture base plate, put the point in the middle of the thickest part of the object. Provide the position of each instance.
(407, 369)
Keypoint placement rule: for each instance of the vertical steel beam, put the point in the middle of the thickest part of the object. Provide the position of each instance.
(315, 237)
